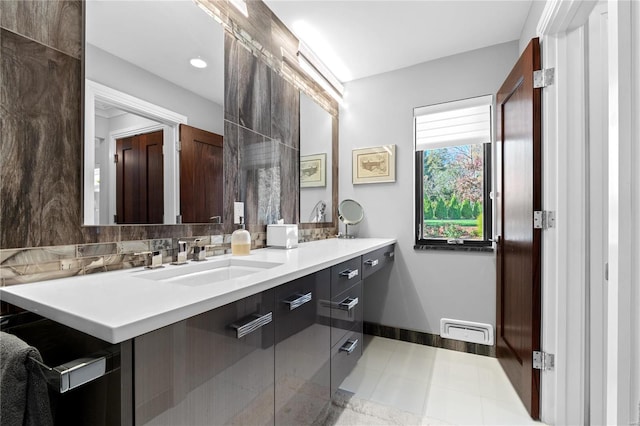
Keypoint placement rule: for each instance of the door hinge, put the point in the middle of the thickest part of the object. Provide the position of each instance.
(543, 219)
(179, 219)
(543, 360)
(115, 158)
(179, 146)
(115, 218)
(543, 78)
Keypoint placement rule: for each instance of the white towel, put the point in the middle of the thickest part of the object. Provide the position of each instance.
(24, 398)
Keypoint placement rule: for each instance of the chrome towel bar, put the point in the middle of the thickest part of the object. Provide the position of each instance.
(72, 374)
(78, 372)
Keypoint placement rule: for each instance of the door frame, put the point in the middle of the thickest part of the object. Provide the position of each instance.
(114, 135)
(623, 319)
(93, 92)
(564, 248)
(561, 29)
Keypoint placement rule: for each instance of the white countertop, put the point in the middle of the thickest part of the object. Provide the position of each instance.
(119, 305)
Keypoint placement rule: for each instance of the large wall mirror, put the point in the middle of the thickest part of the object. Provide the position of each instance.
(142, 95)
(316, 163)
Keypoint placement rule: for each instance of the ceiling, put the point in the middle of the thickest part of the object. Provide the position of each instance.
(153, 36)
(355, 39)
(360, 38)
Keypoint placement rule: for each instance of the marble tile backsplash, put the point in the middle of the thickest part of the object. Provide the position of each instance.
(26, 265)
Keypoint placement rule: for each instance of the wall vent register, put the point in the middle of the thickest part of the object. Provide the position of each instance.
(466, 331)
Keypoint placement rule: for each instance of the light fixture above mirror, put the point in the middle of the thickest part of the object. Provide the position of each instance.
(314, 67)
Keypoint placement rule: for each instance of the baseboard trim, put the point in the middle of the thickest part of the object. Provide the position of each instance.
(427, 339)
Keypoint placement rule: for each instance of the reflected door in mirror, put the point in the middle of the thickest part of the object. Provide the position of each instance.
(200, 175)
(139, 179)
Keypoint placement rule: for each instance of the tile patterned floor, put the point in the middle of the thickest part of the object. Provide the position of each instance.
(404, 383)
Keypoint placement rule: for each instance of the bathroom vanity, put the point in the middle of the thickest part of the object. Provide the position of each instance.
(259, 339)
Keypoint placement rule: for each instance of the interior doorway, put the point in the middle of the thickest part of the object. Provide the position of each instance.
(139, 179)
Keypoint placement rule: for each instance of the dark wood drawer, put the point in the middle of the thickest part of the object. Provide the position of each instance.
(346, 312)
(297, 303)
(376, 260)
(344, 357)
(345, 274)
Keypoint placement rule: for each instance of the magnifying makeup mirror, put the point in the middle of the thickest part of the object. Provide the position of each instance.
(350, 212)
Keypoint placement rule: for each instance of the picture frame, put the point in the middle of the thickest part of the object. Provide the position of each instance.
(313, 170)
(374, 165)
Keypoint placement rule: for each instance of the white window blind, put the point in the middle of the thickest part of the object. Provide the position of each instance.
(462, 122)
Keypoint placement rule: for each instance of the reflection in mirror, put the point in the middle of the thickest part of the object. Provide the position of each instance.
(350, 212)
(315, 162)
(140, 90)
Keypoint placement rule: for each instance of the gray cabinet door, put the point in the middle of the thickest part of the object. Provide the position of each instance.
(302, 367)
(212, 369)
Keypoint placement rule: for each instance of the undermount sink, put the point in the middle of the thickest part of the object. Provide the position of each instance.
(208, 271)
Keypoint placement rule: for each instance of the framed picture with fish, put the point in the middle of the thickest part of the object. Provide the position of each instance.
(313, 170)
(374, 165)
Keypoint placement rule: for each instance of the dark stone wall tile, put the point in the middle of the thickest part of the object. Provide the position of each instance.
(258, 24)
(289, 184)
(259, 177)
(40, 148)
(231, 159)
(285, 112)
(100, 234)
(231, 108)
(254, 93)
(283, 38)
(57, 24)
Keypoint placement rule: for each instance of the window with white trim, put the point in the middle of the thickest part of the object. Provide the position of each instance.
(453, 173)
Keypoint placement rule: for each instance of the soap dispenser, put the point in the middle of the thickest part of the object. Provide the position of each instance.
(240, 241)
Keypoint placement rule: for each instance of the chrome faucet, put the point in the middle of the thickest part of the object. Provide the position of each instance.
(152, 259)
(199, 250)
(182, 253)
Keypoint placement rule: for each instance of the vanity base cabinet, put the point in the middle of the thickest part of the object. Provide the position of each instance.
(346, 319)
(344, 357)
(302, 366)
(212, 369)
(276, 357)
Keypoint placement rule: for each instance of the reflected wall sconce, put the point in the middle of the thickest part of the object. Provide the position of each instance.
(311, 65)
(241, 5)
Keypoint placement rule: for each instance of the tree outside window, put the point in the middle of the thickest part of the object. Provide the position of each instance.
(453, 170)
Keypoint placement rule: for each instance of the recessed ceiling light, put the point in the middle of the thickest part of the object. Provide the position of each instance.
(198, 62)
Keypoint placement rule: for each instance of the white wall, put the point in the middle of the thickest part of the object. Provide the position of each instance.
(107, 69)
(530, 25)
(424, 286)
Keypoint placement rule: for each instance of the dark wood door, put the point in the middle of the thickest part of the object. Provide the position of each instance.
(140, 179)
(518, 196)
(201, 175)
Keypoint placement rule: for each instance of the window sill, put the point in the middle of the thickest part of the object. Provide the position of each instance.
(454, 247)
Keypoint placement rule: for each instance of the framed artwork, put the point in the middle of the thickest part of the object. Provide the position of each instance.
(374, 165)
(313, 170)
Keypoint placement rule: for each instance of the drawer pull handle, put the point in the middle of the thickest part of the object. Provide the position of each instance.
(371, 262)
(250, 324)
(349, 346)
(390, 254)
(348, 304)
(349, 273)
(298, 300)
